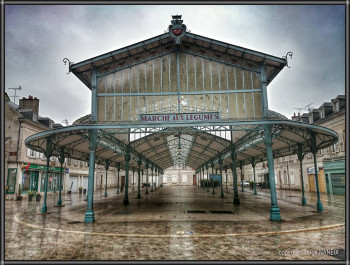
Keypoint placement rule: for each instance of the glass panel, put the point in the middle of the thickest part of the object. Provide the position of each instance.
(191, 73)
(247, 80)
(158, 108)
(258, 105)
(207, 75)
(239, 78)
(223, 80)
(231, 77)
(233, 106)
(11, 180)
(173, 72)
(110, 107)
(141, 79)
(157, 75)
(118, 109)
(165, 73)
(183, 72)
(224, 107)
(150, 104)
(240, 102)
(174, 104)
(199, 74)
(191, 103)
(215, 75)
(100, 109)
(249, 106)
(109, 86)
(126, 108)
(142, 104)
(256, 81)
(134, 108)
(134, 80)
(149, 77)
(216, 102)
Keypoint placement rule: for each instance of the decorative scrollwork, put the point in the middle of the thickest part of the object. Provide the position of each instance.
(286, 57)
(65, 60)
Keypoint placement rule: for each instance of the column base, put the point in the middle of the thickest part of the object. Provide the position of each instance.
(222, 195)
(59, 202)
(44, 209)
(236, 200)
(213, 192)
(126, 202)
(303, 201)
(117, 191)
(275, 214)
(89, 216)
(319, 206)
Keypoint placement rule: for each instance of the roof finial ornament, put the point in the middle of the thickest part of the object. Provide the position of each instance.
(177, 30)
(65, 60)
(286, 57)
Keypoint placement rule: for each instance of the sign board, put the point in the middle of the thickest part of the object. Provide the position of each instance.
(180, 117)
(311, 170)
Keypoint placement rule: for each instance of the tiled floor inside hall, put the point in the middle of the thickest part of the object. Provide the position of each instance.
(177, 223)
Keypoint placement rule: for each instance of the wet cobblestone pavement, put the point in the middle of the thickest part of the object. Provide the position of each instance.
(177, 223)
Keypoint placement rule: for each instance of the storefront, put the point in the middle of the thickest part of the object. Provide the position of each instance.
(33, 178)
(334, 171)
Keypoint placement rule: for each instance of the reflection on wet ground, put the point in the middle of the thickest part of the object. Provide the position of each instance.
(177, 223)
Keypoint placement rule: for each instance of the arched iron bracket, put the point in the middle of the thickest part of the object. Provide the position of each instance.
(65, 60)
(286, 57)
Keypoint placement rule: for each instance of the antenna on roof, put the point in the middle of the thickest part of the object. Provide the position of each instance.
(308, 107)
(299, 109)
(65, 121)
(15, 96)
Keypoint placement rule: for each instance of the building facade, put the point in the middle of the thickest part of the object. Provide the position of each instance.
(330, 160)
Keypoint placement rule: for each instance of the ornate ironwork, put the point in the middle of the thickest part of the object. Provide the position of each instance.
(286, 57)
(65, 60)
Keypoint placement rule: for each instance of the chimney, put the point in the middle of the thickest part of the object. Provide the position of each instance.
(29, 103)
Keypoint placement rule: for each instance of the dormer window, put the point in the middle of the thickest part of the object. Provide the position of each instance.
(322, 113)
(336, 106)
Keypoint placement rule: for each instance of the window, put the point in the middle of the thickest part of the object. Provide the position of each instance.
(42, 156)
(52, 183)
(25, 181)
(30, 153)
(322, 113)
(336, 106)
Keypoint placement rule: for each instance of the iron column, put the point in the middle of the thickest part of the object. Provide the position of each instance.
(207, 167)
(118, 168)
(59, 202)
(212, 171)
(106, 167)
(152, 167)
(241, 168)
(89, 214)
(253, 165)
(126, 194)
(226, 176)
(48, 155)
(274, 210)
(222, 188)
(300, 157)
(139, 163)
(234, 172)
(147, 166)
(314, 152)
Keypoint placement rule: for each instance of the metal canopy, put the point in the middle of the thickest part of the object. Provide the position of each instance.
(199, 144)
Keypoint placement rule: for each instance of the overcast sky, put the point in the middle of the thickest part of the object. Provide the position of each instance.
(38, 37)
